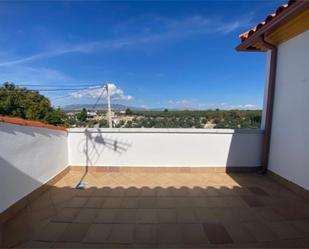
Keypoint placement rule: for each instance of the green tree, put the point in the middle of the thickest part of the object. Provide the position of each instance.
(129, 112)
(103, 123)
(55, 117)
(82, 116)
(28, 104)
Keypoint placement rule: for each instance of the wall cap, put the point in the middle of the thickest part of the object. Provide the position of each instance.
(24, 122)
(171, 131)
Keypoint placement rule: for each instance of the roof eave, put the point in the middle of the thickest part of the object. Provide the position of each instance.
(295, 9)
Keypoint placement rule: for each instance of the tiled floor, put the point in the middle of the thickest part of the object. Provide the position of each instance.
(138, 210)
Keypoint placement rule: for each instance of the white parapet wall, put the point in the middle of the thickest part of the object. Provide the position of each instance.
(29, 157)
(165, 147)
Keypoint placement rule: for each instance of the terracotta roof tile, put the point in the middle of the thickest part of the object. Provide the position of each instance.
(268, 19)
(20, 121)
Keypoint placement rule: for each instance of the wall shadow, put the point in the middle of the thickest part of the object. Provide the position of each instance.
(30, 131)
(246, 159)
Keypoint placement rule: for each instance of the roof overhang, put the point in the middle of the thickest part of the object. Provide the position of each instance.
(289, 23)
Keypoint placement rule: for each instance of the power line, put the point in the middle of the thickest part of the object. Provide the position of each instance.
(58, 85)
(86, 90)
(61, 89)
(96, 103)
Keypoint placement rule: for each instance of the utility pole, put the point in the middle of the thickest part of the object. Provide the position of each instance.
(109, 109)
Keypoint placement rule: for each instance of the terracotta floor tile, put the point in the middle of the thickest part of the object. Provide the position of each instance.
(98, 233)
(215, 202)
(227, 214)
(76, 202)
(43, 213)
(169, 234)
(186, 215)
(130, 202)
(126, 216)
(148, 192)
(252, 201)
(239, 233)
(66, 215)
(85, 192)
(102, 192)
(302, 225)
(183, 202)
(146, 216)
(163, 192)
(205, 215)
(260, 231)
(117, 192)
(36, 244)
(124, 210)
(74, 232)
(285, 230)
(133, 192)
(291, 213)
(145, 234)
(36, 226)
(122, 233)
(235, 202)
(165, 202)
(166, 215)
(210, 191)
(217, 234)
(94, 202)
(15, 231)
(257, 191)
(75, 245)
(52, 231)
(268, 214)
(86, 215)
(196, 191)
(248, 215)
(225, 191)
(147, 202)
(106, 215)
(112, 202)
(179, 192)
(43, 201)
(293, 243)
(194, 235)
(199, 201)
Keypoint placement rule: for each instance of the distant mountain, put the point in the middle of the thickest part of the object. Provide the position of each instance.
(115, 107)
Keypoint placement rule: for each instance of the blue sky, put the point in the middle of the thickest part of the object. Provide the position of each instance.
(173, 54)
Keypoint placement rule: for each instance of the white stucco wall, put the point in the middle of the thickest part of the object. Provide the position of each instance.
(29, 157)
(289, 151)
(164, 147)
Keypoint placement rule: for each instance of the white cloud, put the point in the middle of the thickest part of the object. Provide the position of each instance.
(196, 104)
(180, 102)
(22, 74)
(94, 92)
(166, 30)
(226, 106)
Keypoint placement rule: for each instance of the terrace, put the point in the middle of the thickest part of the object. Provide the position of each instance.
(132, 200)
(170, 188)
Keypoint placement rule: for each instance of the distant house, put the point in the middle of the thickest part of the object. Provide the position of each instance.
(91, 114)
(284, 35)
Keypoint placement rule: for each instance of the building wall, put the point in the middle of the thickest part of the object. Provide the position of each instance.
(289, 150)
(165, 147)
(263, 122)
(29, 157)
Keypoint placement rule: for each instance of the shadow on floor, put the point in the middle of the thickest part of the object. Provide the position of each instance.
(160, 210)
